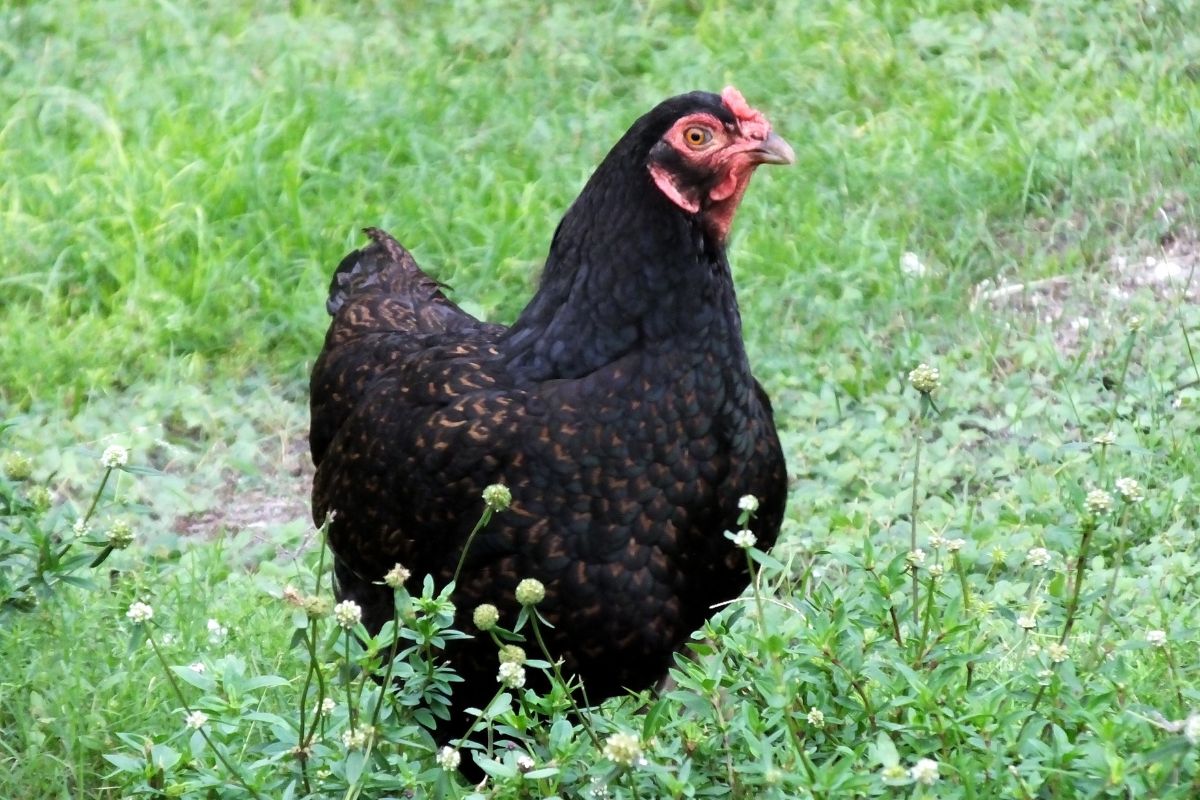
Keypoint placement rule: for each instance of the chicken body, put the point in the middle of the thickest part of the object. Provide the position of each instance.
(619, 409)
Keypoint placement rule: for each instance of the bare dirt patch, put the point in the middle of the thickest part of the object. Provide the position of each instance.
(259, 504)
(1071, 304)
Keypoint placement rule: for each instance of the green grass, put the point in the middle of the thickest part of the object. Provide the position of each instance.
(178, 180)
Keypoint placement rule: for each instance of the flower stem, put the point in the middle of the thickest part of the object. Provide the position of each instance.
(916, 505)
(237, 776)
(537, 634)
(484, 519)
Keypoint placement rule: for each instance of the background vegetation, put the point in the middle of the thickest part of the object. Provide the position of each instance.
(177, 181)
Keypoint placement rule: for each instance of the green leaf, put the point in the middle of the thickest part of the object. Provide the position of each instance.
(885, 751)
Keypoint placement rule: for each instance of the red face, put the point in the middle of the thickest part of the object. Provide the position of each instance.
(718, 159)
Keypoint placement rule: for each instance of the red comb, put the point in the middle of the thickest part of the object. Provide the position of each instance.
(752, 122)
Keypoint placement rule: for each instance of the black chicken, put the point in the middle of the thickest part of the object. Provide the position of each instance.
(619, 409)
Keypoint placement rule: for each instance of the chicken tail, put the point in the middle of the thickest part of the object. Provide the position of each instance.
(382, 267)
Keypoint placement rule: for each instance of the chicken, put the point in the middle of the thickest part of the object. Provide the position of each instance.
(619, 409)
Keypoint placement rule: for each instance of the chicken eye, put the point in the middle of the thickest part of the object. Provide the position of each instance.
(697, 136)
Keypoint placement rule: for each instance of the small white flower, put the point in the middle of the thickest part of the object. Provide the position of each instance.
(910, 264)
(936, 541)
(347, 614)
(140, 612)
(925, 379)
(816, 718)
(1106, 439)
(357, 739)
(327, 706)
(497, 497)
(954, 545)
(1045, 677)
(530, 592)
(936, 570)
(1027, 622)
(1057, 652)
(525, 763)
(1156, 638)
(1130, 490)
(925, 772)
(1038, 557)
(894, 775)
(1191, 728)
(748, 502)
(745, 539)
(623, 748)
(1098, 501)
(915, 557)
(120, 535)
(397, 576)
(216, 632)
(114, 456)
(195, 720)
(511, 675)
(81, 529)
(448, 758)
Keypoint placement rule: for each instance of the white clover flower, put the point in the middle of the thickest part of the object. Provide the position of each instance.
(512, 653)
(745, 539)
(530, 592)
(1057, 652)
(140, 612)
(954, 545)
(485, 617)
(925, 379)
(357, 739)
(910, 264)
(936, 570)
(1099, 501)
(624, 749)
(1027, 622)
(894, 775)
(397, 576)
(216, 632)
(120, 535)
(1156, 638)
(915, 557)
(497, 497)
(925, 772)
(1038, 556)
(1106, 439)
(17, 466)
(114, 456)
(748, 502)
(448, 758)
(1130, 490)
(195, 720)
(347, 614)
(511, 675)
(1191, 728)
(816, 718)
(198, 667)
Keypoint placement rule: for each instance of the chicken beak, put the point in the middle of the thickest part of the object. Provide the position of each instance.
(773, 150)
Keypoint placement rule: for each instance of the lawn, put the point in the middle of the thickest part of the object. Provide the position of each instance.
(999, 577)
